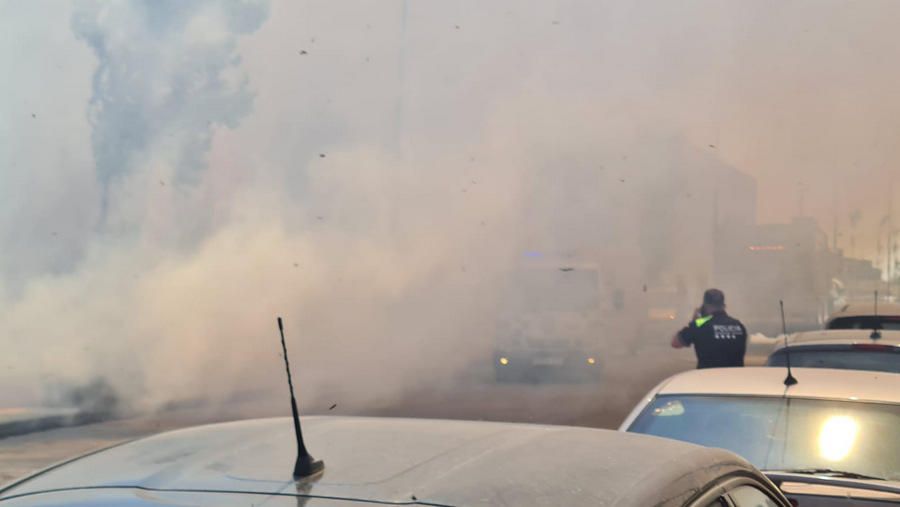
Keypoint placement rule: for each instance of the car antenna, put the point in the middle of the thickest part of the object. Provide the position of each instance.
(306, 465)
(876, 334)
(789, 380)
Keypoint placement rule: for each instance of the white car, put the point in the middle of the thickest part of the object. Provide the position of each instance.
(837, 427)
(399, 462)
(865, 316)
(844, 349)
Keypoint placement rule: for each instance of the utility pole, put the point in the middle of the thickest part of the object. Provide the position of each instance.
(890, 239)
(891, 259)
(400, 105)
(834, 218)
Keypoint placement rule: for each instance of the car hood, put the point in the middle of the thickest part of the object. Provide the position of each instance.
(399, 461)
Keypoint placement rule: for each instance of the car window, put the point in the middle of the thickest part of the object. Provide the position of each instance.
(865, 322)
(845, 359)
(748, 496)
(779, 434)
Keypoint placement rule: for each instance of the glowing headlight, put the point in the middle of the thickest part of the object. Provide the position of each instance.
(837, 436)
(504, 361)
(591, 360)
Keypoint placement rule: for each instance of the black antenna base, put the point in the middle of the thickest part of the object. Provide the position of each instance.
(789, 380)
(307, 466)
(876, 334)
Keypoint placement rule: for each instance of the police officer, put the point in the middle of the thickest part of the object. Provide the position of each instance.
(718, 339)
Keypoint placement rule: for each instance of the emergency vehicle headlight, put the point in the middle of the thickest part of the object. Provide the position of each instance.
(504, 361)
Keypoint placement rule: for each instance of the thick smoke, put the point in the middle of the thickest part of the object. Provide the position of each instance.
(371, 172)
(167, 76)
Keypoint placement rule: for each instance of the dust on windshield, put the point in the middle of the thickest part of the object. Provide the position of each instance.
(784, 434)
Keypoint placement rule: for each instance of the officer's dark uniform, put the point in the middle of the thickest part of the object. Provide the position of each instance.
(718, 340)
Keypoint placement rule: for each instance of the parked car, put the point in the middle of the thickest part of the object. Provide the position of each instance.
(400, 462)
(844, 349)
(832, 426)
(866, 316)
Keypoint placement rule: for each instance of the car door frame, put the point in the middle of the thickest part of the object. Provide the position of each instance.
(721, 488)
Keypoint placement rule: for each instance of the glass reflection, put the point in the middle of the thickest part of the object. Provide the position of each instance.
(837, 436)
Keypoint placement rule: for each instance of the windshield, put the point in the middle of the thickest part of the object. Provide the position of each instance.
(841, 359)
(784, 434)
(865, 322)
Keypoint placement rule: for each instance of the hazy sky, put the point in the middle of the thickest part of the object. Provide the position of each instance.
(798, 94)
(163, 155)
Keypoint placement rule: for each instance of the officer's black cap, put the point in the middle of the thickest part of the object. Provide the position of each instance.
(714, 297)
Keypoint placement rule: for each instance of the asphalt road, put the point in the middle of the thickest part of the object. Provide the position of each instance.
(602, 405)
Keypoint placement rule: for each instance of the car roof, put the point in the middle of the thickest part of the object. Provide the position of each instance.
(820, 383)
(840, 337)
(398, 460)
(866, 309)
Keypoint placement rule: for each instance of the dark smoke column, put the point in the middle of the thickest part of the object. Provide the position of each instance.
(167, 73)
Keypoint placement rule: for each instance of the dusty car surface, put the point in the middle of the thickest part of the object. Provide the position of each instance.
(844, 349)
(832, 425)
(398, 462)
(866, 316)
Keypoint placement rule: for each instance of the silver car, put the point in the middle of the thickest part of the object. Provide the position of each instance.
(837, 427)
(844, 349)
(866, 316)
(400, 462)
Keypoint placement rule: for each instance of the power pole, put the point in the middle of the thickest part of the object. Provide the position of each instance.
(834, 218)
(400, 105)
(889, 269)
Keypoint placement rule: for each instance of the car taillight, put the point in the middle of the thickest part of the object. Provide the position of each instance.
(874, 346)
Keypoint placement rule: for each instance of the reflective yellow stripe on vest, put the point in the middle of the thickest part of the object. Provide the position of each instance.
(702, 320)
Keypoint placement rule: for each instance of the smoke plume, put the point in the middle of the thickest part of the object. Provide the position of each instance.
(177, 174)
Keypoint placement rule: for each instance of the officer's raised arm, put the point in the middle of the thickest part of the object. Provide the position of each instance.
(676, 341)
(682, 338)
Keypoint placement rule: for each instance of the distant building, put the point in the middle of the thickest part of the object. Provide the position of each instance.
(760, 265)
(855, 279)
(652, 223)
